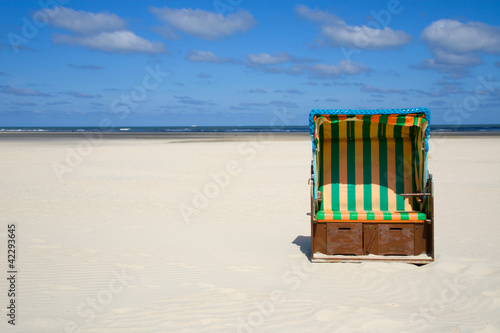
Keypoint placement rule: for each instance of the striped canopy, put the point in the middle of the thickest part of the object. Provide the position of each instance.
(365, 161)
(316, 112)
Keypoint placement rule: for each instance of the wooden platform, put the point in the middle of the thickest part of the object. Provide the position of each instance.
(420, 259)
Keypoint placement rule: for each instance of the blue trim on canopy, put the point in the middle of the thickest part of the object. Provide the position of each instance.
(425, 111)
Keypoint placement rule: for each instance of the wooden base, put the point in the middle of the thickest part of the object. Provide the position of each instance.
(368, 240)
(419, 260)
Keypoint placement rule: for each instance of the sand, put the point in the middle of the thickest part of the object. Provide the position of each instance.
(211, 234)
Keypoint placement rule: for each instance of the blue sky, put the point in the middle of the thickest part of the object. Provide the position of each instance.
(239, 62)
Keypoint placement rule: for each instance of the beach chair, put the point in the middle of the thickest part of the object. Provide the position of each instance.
(371, 193)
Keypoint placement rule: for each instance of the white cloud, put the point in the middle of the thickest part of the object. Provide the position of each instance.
(79, 94)
(116, 41)
(293, 91)
(252, 104)
(339, 33)
(258, 91)
(23, 103)
(454, 71)
(365, 37)
(344, 67)
(268, 59)
(99, 31)
(10, 90)
(203, 75)
(380, 90)
(455, 44)
(446, 88)
(276, 64)
(283, 104)
(82, 22)
(205, 24)
(191, 101)
(85, 67)
(459, 38)
(316, 14)
(206, 56)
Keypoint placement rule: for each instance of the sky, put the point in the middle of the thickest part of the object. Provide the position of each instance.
(244, 62)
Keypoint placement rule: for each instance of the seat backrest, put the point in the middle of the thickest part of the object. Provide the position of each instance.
(365, 162)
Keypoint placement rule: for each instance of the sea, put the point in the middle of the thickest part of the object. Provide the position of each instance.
(483, 128)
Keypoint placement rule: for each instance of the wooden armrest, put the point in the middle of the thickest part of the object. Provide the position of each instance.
(414, 194)
(417, 195)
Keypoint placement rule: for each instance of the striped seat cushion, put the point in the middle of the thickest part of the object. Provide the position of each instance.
(347, 215)
(365, 163)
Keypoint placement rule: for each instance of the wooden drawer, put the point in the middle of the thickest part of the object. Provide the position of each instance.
(344, 238)
(389, 239)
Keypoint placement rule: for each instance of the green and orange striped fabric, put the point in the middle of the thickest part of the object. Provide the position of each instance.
(365, 162)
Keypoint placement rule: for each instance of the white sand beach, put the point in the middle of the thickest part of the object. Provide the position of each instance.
(197, 234)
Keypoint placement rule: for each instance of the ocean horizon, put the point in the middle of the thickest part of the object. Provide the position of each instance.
(222, 129)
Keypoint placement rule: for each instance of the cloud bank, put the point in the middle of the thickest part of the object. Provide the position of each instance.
(456, 45)
(338, 33)
(205, 24)
(99, 31)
